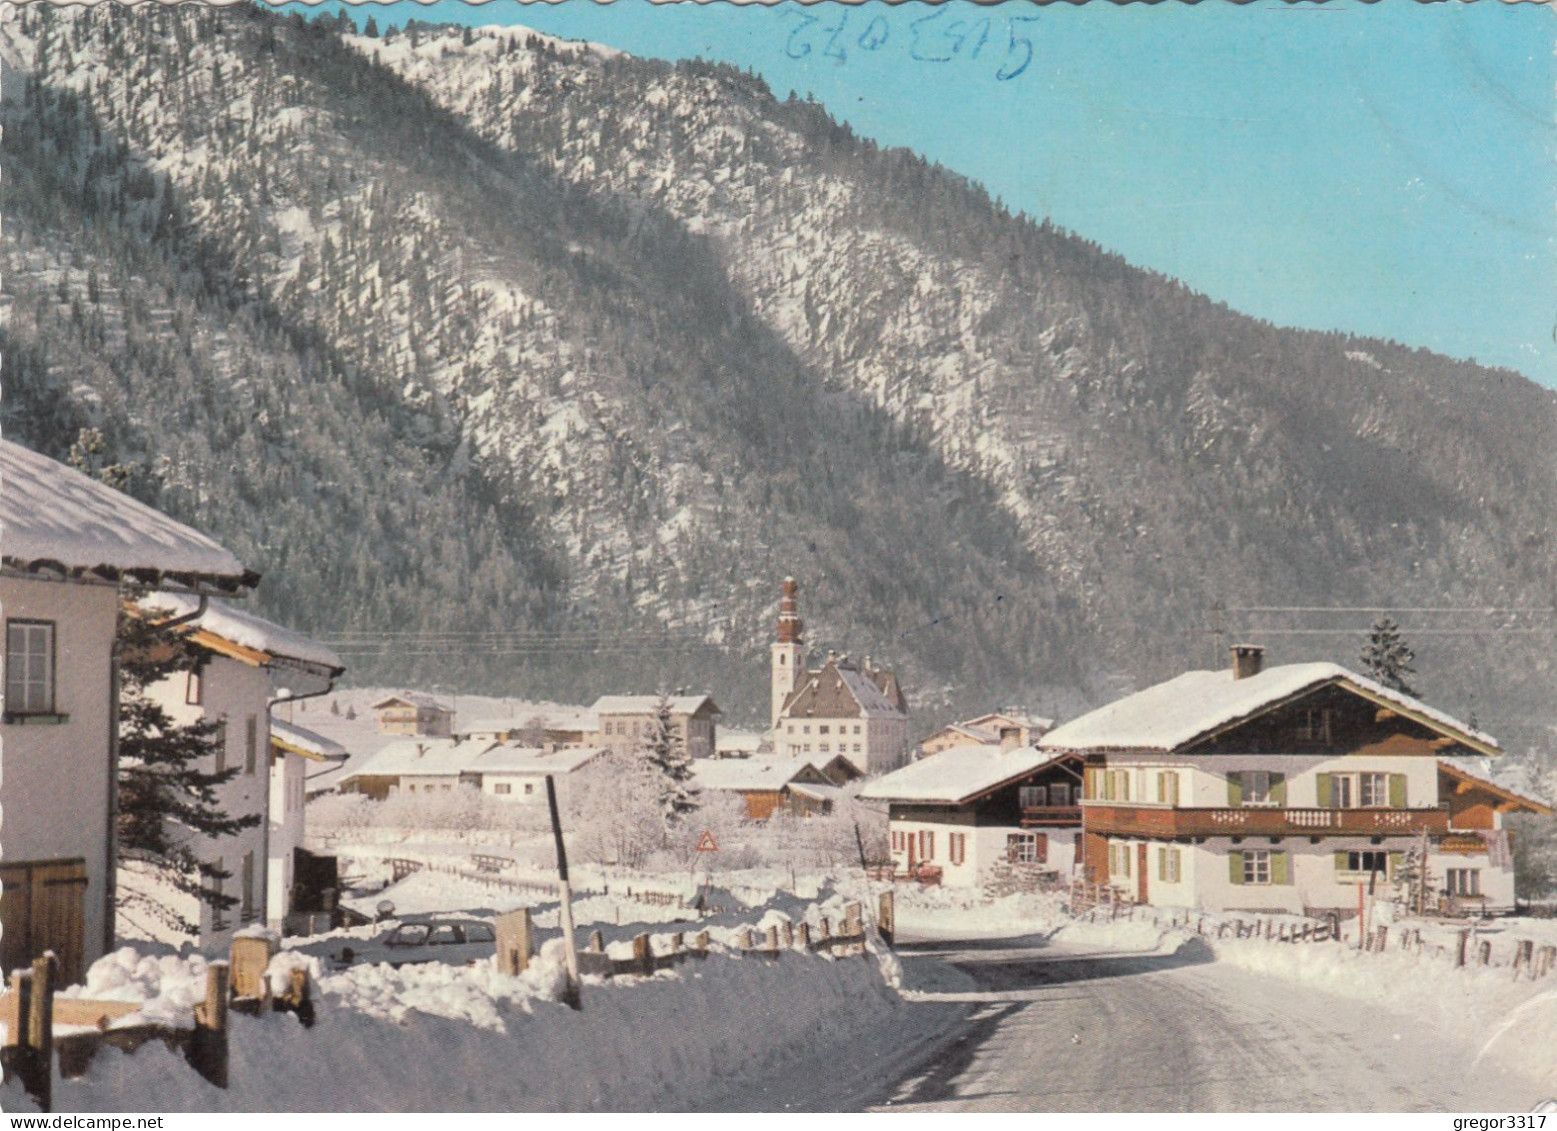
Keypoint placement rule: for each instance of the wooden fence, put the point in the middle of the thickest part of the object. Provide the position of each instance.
(516, 944)
(31, 1011)
(1521, 956)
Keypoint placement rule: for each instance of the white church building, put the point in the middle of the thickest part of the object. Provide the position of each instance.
(857, 711)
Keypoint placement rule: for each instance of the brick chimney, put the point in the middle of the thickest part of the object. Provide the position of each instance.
(1248, 659)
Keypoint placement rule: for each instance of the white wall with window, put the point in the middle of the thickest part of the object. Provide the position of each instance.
(58, 644)
(965, 853)
(237, 694)
(1294, 781)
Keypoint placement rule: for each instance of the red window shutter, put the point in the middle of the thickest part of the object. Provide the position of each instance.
(1042, 840)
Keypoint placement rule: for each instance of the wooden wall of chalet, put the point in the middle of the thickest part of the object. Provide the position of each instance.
(376, 786)
(1356, 726)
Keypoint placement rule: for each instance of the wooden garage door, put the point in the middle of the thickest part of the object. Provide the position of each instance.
(43, 907)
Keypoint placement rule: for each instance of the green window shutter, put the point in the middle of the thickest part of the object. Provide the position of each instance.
(1278, 789)
(1235, 790)
(1324, 786)
(1278, 868)
(1341, 860)
(1397, 791)
(1235, 867)
(1397, 861)
(1162, 863)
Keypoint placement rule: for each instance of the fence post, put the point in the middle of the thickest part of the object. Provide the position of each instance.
(886, 917)
(515, 940)
(1382, 936)
(678, 947)
(803, 933)
(789, 933)
(643, 955)
(596, 941)
(250, 957)
(824, 929)
(1523, 956)
(35, 1025)
(1485, 955)
(1461, 947)
(773, 940)
(208, 1044)
(700, 943)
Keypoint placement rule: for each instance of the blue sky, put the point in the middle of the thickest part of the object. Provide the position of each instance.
(1388, 170)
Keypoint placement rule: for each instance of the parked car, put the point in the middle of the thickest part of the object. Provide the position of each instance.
(436, 938)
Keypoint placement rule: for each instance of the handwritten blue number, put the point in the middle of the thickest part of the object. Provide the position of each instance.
(874, 35)
(806, 20)
(834, 49)
(1020, 44)
(914, 48)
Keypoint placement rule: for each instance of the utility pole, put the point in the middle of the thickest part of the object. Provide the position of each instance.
(565, 893)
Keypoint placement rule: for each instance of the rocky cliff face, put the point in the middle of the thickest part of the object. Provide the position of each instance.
(484, 333)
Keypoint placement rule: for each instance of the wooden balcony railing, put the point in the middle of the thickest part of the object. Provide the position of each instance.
(1130, 820)
(1050, 815)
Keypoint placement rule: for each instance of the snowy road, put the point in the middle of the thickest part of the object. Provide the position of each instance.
(1060, 1028)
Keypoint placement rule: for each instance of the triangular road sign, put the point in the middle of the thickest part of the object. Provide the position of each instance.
(707, 843)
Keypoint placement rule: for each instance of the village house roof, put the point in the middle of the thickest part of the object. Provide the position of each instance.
(54, 517)
(828, 793)
(409, 699)
(959, 775)
(749, 774)
(1458, 771)
(978, 736)
(247, 637)
(1199, 704)
(993, 722)
(512, 758)
(838, 690)
(422, 757)
(738, 742)
(649, 704)
(290, 738)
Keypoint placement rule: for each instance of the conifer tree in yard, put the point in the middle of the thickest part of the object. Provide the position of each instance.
(667, 757)
(167, 781)
(1387, 658)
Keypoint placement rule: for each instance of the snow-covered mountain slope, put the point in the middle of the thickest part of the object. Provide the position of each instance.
(614, 344)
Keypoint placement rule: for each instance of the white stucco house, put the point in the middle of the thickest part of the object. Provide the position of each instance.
(67, 544)
(246, 664)
(954, 817)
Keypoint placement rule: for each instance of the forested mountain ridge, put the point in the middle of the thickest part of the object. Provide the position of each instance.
(478, 330)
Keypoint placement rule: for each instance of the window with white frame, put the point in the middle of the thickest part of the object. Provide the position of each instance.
(1024, 848)
(1314, 724)
(1169, 864)
(29, 667)
(1463, 881)
(957, 849)
(1359, 791)
(1256, 787)
(1032, 797)
(1119, 860)
(1168, 787)
(1059, 794)
(502, 787)
(1256, 867)
(194, 688)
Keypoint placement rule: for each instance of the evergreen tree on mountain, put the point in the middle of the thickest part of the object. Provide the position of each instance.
(665, 753)
(1387, 658)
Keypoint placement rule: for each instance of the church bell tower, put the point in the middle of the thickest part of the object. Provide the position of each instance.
(789, 653)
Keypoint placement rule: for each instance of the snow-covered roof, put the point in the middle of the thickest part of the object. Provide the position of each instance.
(838, 690)
(422, 757)
(300, 740)
(244, 629)
(511, 758)
(649, 704)
(973, 734)
(958, 775)
(1010, 718)
(411, 699)
(829, 793)
(50, 513)
(1189, 707)
(748, 774)
(738, 740)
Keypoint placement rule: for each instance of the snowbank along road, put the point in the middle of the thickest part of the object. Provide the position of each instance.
(1066, 1027)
